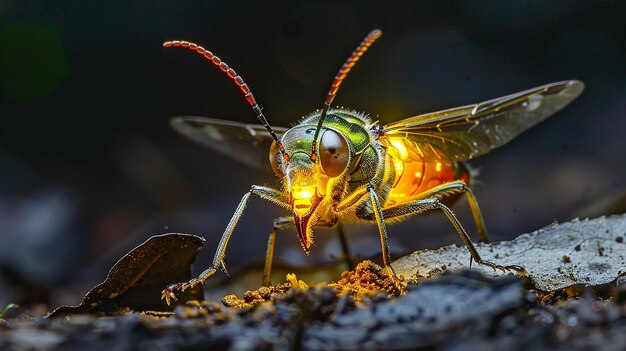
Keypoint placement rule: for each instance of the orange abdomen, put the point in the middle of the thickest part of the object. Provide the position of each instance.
(416, 174)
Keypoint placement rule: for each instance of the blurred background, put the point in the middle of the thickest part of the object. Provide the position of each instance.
(89, 166)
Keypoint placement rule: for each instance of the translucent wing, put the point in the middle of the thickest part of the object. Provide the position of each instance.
(246, 143)
(465, 132)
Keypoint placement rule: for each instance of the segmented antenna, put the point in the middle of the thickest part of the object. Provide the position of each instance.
(236, 78)
(341, 75)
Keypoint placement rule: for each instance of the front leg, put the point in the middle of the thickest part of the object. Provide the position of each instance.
(267, 193)
(382, 231)
(357, 196)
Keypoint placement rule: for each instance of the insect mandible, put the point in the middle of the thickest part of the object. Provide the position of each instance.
(337, 165)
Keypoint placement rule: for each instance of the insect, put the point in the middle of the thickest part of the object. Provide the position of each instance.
(337, 165)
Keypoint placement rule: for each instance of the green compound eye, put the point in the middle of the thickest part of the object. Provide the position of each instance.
(334, 153)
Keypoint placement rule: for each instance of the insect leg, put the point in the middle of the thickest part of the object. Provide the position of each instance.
(483, 237)
(422, 205)
(459, 186)
(278, 224)
(267, 193)
(345, 250)
(355, 197)
(382, 230)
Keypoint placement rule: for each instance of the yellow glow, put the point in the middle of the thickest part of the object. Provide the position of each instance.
(438, 167)
(399, 145)
(399, 165)
(303, 192)
(418, 174)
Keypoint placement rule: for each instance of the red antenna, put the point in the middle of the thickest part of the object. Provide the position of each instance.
(341, 75)
(236, 78)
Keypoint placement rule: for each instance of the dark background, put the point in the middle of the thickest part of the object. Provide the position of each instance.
(89, 166)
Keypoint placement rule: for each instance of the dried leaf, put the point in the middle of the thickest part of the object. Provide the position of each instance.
(136, 280)
(587, 252)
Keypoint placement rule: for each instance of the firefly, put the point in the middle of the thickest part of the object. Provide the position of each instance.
(337, 165)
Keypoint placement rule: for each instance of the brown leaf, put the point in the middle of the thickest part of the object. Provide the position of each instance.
(136, 280)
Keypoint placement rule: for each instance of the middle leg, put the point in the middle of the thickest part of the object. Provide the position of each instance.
(288, 222)
(278, 224)
(345, 250)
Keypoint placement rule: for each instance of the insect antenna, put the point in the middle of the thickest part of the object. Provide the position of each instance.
(341, 75)
(238, 81)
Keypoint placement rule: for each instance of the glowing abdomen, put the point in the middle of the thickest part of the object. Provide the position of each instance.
(417, 172)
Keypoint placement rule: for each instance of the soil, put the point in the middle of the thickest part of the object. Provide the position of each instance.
(363, 311)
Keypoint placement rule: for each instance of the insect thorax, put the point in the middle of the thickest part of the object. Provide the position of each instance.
(393, 168)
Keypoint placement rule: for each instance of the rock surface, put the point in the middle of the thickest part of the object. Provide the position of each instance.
(590, 252)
